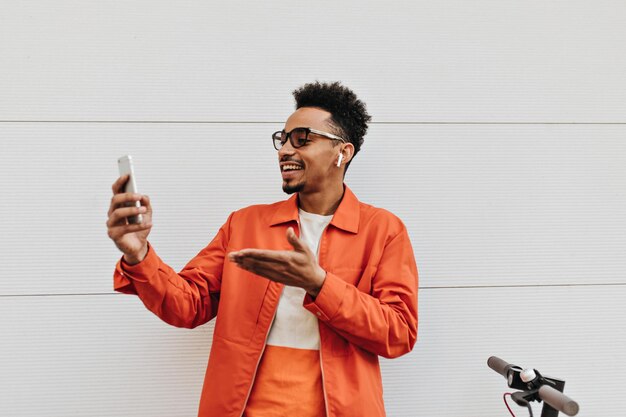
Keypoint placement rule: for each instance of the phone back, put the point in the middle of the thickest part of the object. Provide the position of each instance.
(125, 165)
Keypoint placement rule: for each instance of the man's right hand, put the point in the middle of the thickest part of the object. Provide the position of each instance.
(131, 239)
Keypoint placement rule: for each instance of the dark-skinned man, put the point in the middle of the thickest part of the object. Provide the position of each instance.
(307, 292)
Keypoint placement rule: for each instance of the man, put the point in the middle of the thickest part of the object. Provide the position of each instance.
(307, 292)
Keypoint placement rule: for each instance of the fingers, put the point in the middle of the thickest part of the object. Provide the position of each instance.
(127, 199)
(145, 202)
(124, 205)
(295, 241)
(115, 232)
(268, 264)
(119, 215)
(274, 256)
(271, 270)
(120, 198)
(288, 267)
(284, 273)
(244, 255)
(118, 185)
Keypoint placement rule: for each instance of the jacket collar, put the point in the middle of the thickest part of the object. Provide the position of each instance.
(346, 216)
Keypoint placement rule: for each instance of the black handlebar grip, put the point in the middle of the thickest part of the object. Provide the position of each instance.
(498, 365)
(558, 400)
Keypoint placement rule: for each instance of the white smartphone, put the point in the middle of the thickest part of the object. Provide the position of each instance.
(125, 165)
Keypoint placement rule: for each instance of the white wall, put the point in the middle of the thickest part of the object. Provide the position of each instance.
(498, 137)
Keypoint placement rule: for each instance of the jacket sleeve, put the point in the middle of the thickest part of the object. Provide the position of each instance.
(383, 322)
(185, 299)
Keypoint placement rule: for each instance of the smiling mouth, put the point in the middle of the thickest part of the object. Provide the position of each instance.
(290, 167)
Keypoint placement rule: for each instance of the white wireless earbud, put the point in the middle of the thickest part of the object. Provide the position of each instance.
(339, 160)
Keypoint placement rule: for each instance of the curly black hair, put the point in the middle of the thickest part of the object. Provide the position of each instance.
(349, 116)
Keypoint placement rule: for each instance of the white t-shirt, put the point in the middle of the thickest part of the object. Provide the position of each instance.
(294, 326)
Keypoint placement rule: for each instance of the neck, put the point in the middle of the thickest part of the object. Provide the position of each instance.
(324, 202)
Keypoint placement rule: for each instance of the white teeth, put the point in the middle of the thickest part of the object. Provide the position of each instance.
(290, 167)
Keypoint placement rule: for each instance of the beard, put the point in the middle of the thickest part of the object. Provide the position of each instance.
(295, 188)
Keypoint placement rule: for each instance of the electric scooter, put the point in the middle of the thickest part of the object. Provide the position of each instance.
(534, 387)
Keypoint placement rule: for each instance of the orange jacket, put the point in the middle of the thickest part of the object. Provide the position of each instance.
(367, 305)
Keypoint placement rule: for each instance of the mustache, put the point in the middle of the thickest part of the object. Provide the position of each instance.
(290, 159)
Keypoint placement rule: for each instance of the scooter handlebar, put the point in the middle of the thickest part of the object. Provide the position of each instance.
(499, 365)
(558, 400)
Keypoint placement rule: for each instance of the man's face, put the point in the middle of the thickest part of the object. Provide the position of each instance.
(316, 161)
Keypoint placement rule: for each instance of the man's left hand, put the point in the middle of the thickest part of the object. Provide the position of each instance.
(297, 268)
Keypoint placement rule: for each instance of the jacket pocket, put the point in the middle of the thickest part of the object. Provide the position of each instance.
(241, 300)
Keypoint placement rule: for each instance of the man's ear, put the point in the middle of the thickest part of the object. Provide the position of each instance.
(347, 152)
